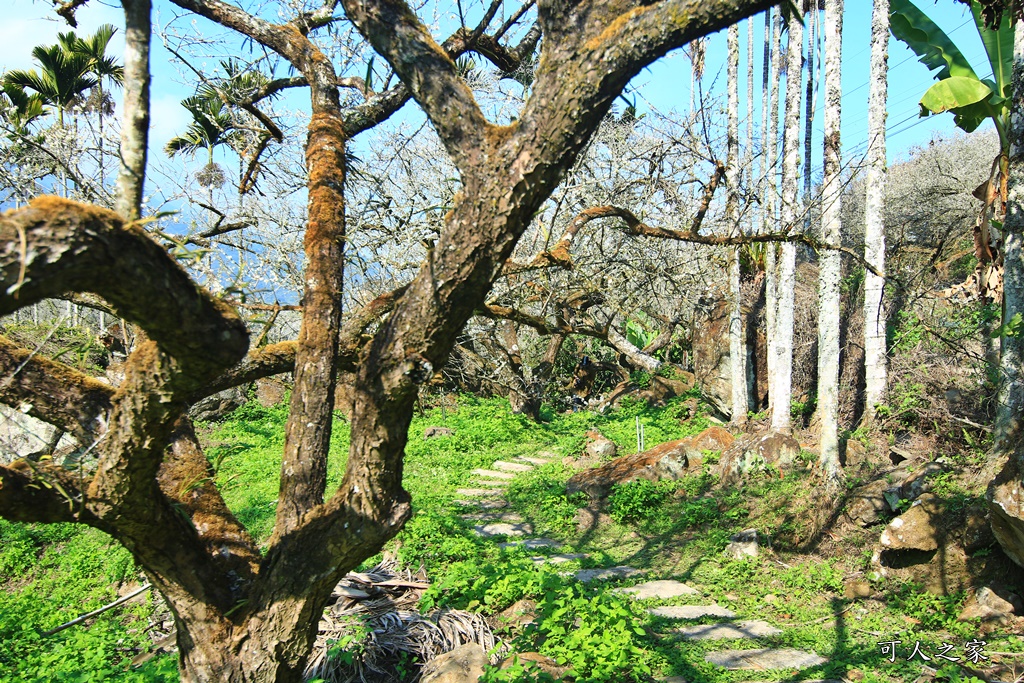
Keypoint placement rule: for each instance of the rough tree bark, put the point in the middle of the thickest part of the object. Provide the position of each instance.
(1006, 491)
(874, 208)
(737, 348)
(830, 263)
(769, 195)
(245, 614)
(781, 389)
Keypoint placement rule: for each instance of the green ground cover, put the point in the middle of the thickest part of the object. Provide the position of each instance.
(671, 530)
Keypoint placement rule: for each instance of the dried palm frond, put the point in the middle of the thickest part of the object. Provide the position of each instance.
(372, 632)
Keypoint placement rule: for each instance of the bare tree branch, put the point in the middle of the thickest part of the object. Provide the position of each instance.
(429, 72)
(53, 392)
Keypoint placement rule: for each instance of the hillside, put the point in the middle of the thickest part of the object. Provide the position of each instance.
(813, 581)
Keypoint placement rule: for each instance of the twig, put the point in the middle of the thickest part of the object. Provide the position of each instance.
(96, 612)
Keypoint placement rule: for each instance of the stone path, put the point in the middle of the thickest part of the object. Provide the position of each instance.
(486, 494)
(760, 659)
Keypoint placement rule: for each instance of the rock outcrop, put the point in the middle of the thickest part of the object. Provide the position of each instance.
(916, 529)
(671, 460)
(1006, 504)
(756, 452)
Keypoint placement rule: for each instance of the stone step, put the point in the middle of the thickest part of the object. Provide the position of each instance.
(535, 460)
(739, 629)
(692, 612)
(532, 543)
(500, 483)
(484, 504)
(493, 474)
(558, 558)
(621, 572)
(510, 517)
(503, 529)
(549, 455)
(663, 589)
(764, 659)
(511, 466)
(480, 493)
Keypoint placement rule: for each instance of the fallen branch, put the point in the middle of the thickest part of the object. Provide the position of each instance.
(97, 612)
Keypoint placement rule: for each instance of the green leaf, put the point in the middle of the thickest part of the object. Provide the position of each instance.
(999, 47)
(929, 42)
(954, 93)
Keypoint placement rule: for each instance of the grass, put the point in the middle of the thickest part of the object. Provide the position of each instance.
(670, 529)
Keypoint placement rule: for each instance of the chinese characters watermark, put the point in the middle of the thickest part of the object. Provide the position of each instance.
(973, 651)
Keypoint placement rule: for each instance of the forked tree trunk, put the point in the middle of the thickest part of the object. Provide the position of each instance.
(782, 387)
(246, 615)
(830, 263)
(874, 216)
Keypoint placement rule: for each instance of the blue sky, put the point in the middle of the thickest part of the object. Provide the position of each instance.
(662, 87)
(667, 83)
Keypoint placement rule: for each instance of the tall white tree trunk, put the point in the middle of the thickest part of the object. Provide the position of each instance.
(748, 143)
(768, 196)
(737, 349)
(1010, 406)
(782, 388)
(829, 265)
(874, 228)
(811, 19)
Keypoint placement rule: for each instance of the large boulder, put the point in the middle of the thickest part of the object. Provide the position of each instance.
(918, 528)
(23, 436)
(1006, 503)
(987, 604)
(756, 452)
(464, 664)
(872, 503)
(670, 460)
(919, 481)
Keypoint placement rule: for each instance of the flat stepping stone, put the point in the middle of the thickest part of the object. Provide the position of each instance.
(534, 460)
(494, 474)
(692, 612)
(764, 659)
(512, 466)
(558, 558)
(739, 629)
(531, 544)
(485, 504)
(493, 484)
(663, 589)
(511, 517)
(621, 572)
(504, 529)
(550, 455)
(481, 493)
